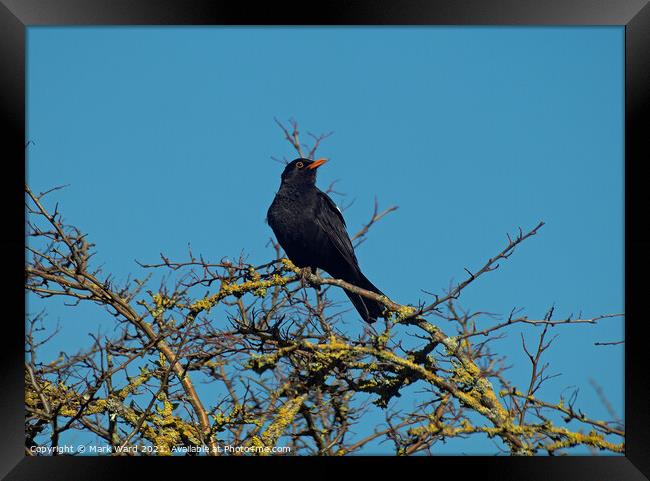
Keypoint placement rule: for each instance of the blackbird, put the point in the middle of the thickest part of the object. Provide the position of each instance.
(311, 230)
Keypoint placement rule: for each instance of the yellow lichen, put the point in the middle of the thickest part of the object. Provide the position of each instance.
(285, 416)
(404, 312)
(257, 287)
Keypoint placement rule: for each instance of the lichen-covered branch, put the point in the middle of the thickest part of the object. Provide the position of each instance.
(204, 355)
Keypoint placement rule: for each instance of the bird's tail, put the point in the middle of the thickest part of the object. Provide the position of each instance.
(368, 309)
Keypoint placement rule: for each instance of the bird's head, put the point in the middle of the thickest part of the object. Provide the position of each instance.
(301, 171)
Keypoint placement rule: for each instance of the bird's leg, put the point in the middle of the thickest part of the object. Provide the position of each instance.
(304, 272)
(314, 271)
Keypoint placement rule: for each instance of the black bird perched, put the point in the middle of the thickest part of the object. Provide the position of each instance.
(311, 230)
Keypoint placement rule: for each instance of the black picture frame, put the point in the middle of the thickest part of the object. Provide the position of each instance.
(17, 15)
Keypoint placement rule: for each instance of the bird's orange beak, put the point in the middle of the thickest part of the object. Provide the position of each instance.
(317, 163)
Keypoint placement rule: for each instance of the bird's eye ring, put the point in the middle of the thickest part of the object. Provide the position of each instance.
(299, 165)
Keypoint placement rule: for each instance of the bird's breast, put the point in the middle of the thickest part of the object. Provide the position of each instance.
(289, 215)
(294, 225)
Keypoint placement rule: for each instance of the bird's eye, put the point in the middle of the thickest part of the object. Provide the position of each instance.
(299, 165)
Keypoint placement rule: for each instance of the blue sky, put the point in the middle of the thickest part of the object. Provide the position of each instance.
(165, 137)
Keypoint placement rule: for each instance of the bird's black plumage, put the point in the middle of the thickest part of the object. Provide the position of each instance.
(312, 232)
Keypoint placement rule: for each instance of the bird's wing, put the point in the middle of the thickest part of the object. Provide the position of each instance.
(331, 220)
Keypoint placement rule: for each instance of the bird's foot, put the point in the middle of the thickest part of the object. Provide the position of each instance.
(304, 278)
